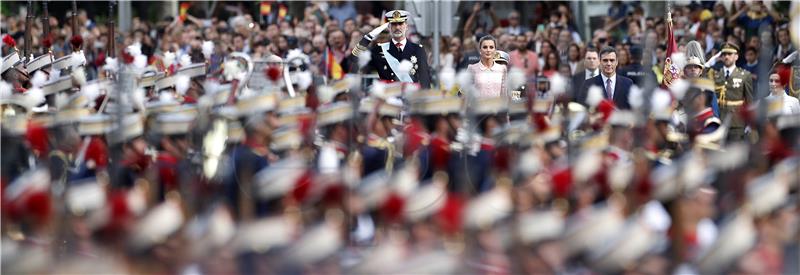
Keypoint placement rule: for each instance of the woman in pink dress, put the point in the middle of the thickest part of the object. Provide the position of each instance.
(489, 76)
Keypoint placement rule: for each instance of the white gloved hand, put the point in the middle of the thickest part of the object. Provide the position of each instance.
(374, 33)
(713, 60)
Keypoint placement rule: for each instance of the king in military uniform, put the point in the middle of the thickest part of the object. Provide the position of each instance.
(734, 88)
(386, 58)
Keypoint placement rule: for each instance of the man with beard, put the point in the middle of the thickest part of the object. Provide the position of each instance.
(386, 58)
(735, 89)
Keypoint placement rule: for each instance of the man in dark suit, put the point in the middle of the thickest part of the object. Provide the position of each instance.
(615, 87)
(386, 57)
(591, 62)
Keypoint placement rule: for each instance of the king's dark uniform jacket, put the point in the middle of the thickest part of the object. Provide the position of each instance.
(413, 52)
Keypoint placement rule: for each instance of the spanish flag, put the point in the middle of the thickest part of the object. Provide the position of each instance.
(282, 11)
(671, 71)
(266, 8)
(333, 67)
(184, 9)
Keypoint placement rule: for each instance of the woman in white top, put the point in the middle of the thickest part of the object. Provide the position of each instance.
(778, 90)
(489, 76)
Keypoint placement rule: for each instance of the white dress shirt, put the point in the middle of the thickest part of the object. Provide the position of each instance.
(590, 74)
(613, 83)
(728, 70)
(403, 42)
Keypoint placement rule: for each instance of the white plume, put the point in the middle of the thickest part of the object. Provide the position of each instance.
(135, 49)
(636, 97)
(79, 75)
(91, 91)
(594, 96)
(208, 49)
(304, 80)
(516, 78)
(231, 69)
(166, 97)
(679, 60)
(61, 100)
(364, 58)
(447, 77)
(679, 88)
(660, 100)
(169, 59)
(5, 89)
(181, 84)
(111, 65)
(138, 97)
(464, 79)
(186, 60)
(78, 59)
(55, 74)
(404, 67)
(558, 84)
(39, 79)
(377, 89)
(33, 97)
(140, 61)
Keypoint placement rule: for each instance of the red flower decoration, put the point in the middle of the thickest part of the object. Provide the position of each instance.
(76, 41)
(273, 73)
(8, 40)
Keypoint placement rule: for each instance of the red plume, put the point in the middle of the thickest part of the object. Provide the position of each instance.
(47, 42)
(606, 107)
(302, 187)
(392, 208)
(8, 40)
(76, 41)
(540, 121)
(273, 73)
(450, 216)
(126, 57)
(784, 72)
(38, 206)
(562, 182)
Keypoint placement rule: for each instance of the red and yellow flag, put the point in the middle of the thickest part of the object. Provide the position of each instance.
(184, 10)
(282, 11)
(266, 8)
(670, 70)
(334, 69)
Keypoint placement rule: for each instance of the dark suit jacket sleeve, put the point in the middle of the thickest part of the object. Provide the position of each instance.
(626, 86)
(423, 71)
(585, 89)
(577, 88)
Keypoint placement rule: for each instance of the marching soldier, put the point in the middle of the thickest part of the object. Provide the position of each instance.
(379, 152)
(734, 87)
(386, 58)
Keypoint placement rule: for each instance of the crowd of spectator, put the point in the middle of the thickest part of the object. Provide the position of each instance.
(549, 43)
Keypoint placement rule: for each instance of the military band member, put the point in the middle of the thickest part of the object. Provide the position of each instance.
(386, 57)
(734, 87)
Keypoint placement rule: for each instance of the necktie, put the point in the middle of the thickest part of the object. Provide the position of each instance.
(399, 46)
(727, 73)
(609, 94)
